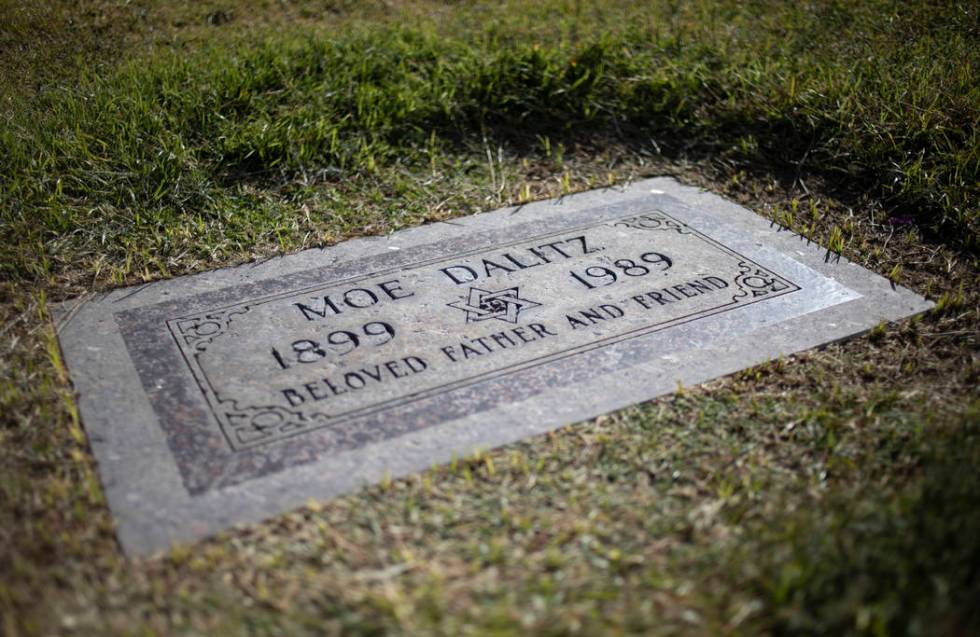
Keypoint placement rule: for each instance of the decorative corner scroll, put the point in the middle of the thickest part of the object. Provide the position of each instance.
(247, 425)
(755, 282)
(653, 221)
(200, 331)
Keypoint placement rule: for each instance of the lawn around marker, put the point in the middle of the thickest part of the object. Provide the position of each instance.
(821, 493)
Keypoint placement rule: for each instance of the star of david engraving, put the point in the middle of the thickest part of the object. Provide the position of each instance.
(481, 305)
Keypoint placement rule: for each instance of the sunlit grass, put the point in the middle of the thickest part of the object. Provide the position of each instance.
(169, 150)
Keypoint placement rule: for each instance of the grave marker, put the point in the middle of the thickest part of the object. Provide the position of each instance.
(237, 394)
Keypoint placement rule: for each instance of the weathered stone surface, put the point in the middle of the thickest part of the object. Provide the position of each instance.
(236, 394)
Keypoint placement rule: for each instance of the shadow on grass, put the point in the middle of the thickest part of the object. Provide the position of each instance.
(902, 563)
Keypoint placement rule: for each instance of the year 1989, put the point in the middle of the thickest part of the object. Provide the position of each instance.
(597, 276)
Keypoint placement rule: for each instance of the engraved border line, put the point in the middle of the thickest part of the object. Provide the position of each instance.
(490, 375)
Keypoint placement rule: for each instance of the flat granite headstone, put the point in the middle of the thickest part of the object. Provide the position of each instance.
(233, 395)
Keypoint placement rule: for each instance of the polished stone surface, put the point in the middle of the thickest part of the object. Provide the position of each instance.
(236, 394)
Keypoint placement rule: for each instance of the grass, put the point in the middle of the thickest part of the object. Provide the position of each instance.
(156, 155)
(829, 493)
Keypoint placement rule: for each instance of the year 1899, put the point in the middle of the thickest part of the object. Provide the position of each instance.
(338, 343)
